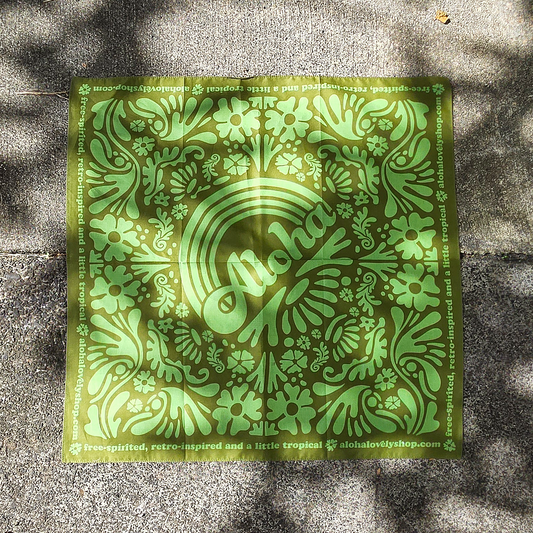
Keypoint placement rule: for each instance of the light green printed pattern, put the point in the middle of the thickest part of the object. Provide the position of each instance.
(262, 269)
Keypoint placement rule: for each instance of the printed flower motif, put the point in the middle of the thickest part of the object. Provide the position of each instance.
(345, 337)
(438, 89)
(85, 89)
(300, 176)
(75, 448)
(83, 330)
(182, 310)
(115, 233)
(292, 408)
(241, 362)
(293, 120)
(367, 323)
(208, 336)
(143, 145)
(344, 210)
(165, 325)
(236, 164)
(346, 294)
(441, 196)
(188, 341)
(410, 237)
(361, 198)
(413, 289)
(386, 379)
(303, 342)
(233, 120)
(316, 334)
(161, 199)
(377, 145)
(393, 402)
(293, 361)
(135, 406)
(144, 382)
(197, 89)
(354, 311)
(180, 211)
(236, 409)
(117, 293)
(289, 163)
(385, 124)
(137, 126)
(449, 445)
(331, 444)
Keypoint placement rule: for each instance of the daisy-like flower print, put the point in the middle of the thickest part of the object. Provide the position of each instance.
(344, 210)
(137, 125)
(143, 145)
(385, 124)
(238, 407)
(114, 292)
(386, 380)
(413, 289)
(115, 235)
(290, 120)
(85, 89)
(182, 310)
(293, 361)
(289, 163)
(234, 119)
(346, 295)
(180, 211)
(144, 382)
(240, 362)
(236, 164)
(411, 236)
(377, 145)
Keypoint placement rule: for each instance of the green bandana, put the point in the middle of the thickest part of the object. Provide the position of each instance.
(262, 269)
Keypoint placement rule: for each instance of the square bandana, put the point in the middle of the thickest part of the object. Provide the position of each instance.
(262, 269)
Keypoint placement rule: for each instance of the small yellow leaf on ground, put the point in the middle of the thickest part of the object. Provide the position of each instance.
(442, 17)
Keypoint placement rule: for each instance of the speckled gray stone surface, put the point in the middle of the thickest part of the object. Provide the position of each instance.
(486, 51)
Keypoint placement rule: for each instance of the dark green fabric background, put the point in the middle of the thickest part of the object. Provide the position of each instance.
(262, 269)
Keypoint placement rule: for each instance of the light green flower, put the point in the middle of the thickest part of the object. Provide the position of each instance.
(292, 121)
(135, 405)
(377, 145)
(438, 89)
(236, 410)
(165, 325)
(393, 403)
(117, 293)
(197, 89)
(361, 199)
(83, 330)
(303, 342)
(331, 444)
(85, 89)
(344, 210)
(413, 289)
(182, 310)
(410, 237)
(386, 379)
(144, 382)
(367, 323)
(449, 445)
(293, 361)
(233, 121)
(116, 234)
(180, 211)
(208, 336)
(316, 333)
(236, 164)
(346, 295)
(75, 448)
(441, 196)
(385, 124)
(289, 163)
(292, 409)
(161, 199)
(143, 145)
(240, 362)
(137, 125)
